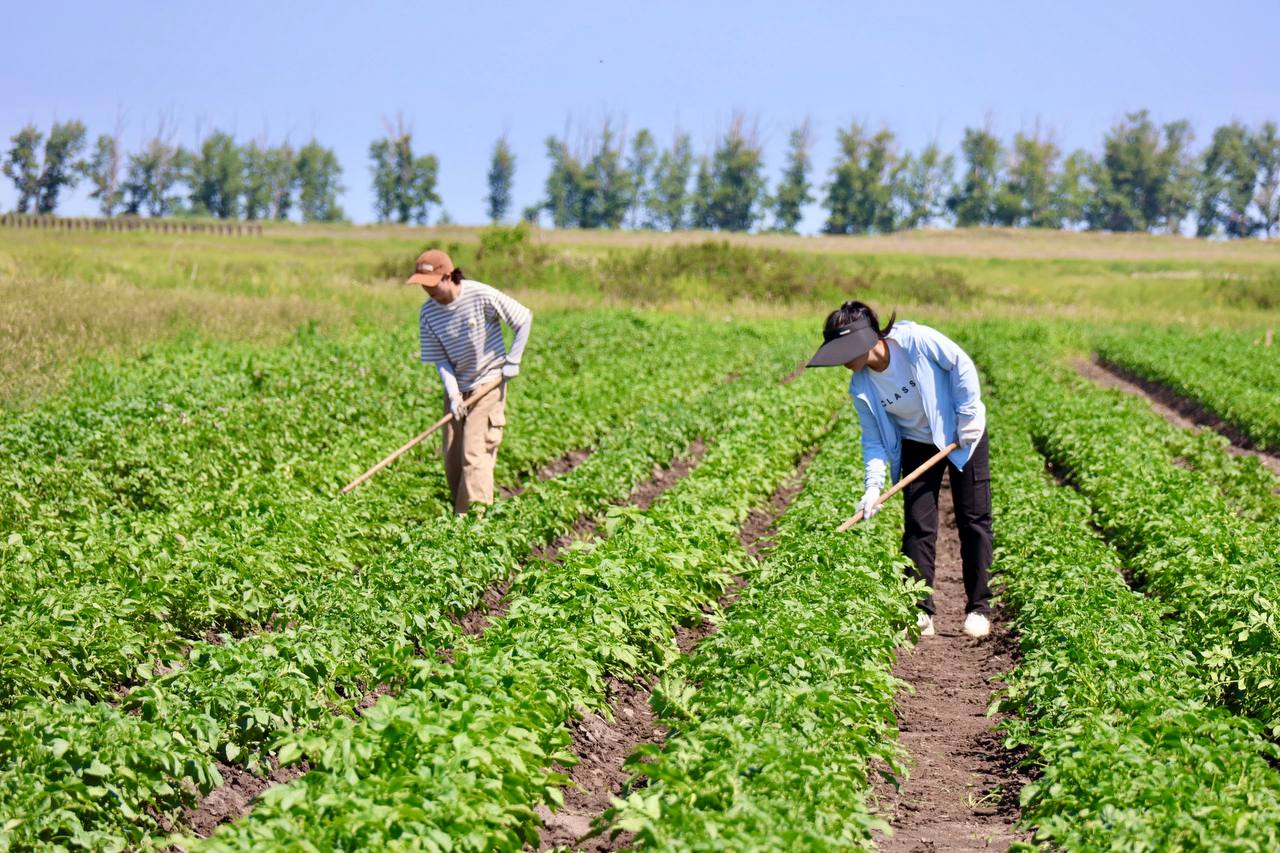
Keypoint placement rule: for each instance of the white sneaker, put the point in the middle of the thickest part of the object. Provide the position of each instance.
(925, 623)
(976, 625)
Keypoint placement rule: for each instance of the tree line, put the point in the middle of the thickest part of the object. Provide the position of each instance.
(220, 177)
(1146, 176)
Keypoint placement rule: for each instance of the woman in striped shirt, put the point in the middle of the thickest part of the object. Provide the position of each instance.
(459, 332)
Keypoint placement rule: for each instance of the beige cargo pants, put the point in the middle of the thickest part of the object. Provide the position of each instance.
(471, 450)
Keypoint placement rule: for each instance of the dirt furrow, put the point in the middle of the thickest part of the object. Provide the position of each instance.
(961, 791)
(237, 796)
(603, 745)
(493, 603)
(557, 468)
(1176, 409)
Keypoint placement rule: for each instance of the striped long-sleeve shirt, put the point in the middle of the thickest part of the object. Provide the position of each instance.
(466, 337)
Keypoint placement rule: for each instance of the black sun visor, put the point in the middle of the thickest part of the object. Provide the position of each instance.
(845, 344)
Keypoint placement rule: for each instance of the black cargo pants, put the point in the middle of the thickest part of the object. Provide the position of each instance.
(971, 494)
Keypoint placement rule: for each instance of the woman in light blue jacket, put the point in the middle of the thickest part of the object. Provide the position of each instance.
(915, 392)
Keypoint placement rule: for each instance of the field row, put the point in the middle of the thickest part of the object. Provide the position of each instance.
(1233, 376)
(229, 696)
(465, 751)
(138, 531)
(1118, 691)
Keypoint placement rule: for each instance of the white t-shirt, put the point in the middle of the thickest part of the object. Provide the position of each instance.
(466, 333)
(899, 395)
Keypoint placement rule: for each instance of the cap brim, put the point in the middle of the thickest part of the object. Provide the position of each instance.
(426, 278)
(845, 348)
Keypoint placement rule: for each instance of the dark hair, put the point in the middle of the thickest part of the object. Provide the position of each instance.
(456, 275)
(853, 311)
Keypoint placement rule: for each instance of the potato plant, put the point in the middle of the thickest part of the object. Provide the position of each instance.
(1230, 374)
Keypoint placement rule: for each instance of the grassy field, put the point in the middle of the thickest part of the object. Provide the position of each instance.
(190, 610)
(70, 296)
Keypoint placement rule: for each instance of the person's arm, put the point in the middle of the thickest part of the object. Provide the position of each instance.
(875, 459)
(432, 351)
(448, 379)
(520, 320)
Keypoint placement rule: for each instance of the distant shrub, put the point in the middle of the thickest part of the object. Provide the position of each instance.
(1256, 292)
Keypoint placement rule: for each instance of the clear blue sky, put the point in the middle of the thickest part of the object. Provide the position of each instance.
(463, 73)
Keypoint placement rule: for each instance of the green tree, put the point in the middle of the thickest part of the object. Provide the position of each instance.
(1143, 180)
(270, 180)
(22, 166)
(793, 189)
(502, 171)
(404, 185)
(1073, 190)
(154, 173)
(318, 177)
(702, 210)
(1026, 196)
(566, 186)
(737, 176)
(640, 165)
(609, 187)
(864, 181)
(923, 187)
(1228, 181)
(1176, 192)
(61, 168)
(668, 202)
(103, 171)
(1265, 148)
(216, 177)
(974, 200)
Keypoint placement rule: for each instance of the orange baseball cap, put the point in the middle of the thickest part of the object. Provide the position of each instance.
(433, 265)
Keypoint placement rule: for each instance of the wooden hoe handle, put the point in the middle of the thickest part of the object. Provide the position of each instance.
(417, 439)
(901, 484)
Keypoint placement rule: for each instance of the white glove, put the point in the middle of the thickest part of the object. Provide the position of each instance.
(970, 432)
(457, 408)
(868, 503)
(511, 370)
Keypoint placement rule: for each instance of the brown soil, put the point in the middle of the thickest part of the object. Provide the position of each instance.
(1174, 408)
(557, 468)
(643, 497)
(235, 797)
(493, 604)
(961, 790)
(603, 746)
(664, 478)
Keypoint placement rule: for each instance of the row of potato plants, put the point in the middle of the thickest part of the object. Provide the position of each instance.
(1228, 373)
(1128, 747)
(779, 720)
(98, 587)
(228, 697)
(462, 756)
(1183, 540)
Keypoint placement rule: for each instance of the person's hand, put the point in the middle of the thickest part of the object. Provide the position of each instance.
(970, 432)
(868, 503)
(457, 408)
(510, 370)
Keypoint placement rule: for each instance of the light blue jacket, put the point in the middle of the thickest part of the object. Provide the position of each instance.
(949, 392)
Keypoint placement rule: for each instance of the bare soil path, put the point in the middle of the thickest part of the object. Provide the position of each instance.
(1175, 409)
(962, 787)
(603, 746)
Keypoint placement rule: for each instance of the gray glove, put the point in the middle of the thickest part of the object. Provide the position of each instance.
(511, 370)
(457, 408)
